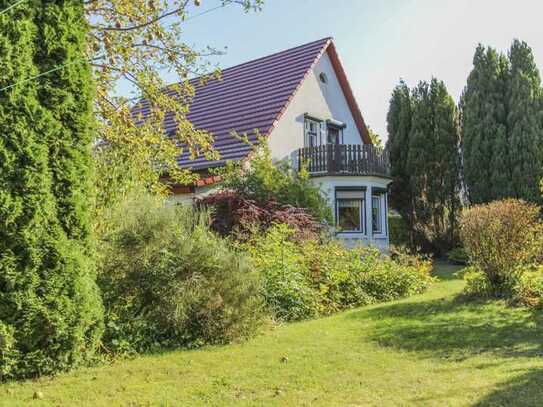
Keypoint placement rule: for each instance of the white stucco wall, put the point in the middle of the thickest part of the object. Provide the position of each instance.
(323, 101)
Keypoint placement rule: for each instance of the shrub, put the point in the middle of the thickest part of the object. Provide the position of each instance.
(168, 281)
(528, 288)
(236, 215)
(287, 287)
(386, 279)
(264, 181)
(477, 284)
(500, 238)
(304, 279)
(50, 311)
(458, 256)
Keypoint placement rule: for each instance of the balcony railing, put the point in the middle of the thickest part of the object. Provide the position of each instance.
(344, 159)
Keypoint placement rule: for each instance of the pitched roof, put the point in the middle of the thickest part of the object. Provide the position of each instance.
(254, 95)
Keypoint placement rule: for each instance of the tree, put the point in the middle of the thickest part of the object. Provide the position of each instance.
(375, 138)
(138, 42)
(399, 127)
(524, 123)
(432, 166)
(502, 126)
(484, 129)
(50, 311)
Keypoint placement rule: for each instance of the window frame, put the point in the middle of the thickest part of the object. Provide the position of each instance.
(362, 209)
(308, 134)
(381, 196)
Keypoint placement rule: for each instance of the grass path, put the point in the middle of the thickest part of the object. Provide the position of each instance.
(425, 350)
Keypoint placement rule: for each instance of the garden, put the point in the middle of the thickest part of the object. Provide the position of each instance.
(111, 293)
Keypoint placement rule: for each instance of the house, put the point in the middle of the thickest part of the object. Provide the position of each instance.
(301, 101)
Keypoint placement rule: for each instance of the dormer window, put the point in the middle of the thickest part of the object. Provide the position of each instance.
(312, 132)
(319, 132)
(333, 135)
(334, 131)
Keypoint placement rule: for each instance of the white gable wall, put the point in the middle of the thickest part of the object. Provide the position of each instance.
(323, 101)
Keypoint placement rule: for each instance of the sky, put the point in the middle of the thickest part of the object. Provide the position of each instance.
(378, 41)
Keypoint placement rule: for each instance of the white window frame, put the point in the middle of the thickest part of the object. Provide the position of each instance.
(309, 134)
(352, 195)
(380, 198)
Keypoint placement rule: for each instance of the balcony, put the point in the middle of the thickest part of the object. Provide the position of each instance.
(344, 159)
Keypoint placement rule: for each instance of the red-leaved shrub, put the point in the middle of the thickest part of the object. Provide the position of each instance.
(236, 215)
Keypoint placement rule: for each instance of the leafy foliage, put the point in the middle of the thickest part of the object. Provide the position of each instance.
(528, 288)
(458, 256)
(398, 230)
(168, 281)
(134, 43)
(238, 216)
(500, 239)
(304, 279)
(50, 310)
(264, 181)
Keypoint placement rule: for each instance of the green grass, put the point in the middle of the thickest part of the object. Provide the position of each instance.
(426, 350)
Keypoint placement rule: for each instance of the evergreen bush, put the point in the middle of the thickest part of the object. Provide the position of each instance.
(168, 281)
(50, 310)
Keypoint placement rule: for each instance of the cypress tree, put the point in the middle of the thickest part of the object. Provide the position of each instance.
(399, 127)
(433, 163)
(50, 313)
(484, 129)
(524, 123)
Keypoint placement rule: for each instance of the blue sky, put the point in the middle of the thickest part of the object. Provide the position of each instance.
(379, 41)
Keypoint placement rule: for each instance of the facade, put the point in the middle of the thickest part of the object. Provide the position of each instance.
(301, 101)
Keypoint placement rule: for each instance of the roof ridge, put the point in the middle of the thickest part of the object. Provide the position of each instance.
(325, 39)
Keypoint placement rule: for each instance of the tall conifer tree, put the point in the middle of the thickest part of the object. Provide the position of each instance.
(524, 122)
(484, 128)
(50, 313)
(399, 127)
(502, 126)
(433, 163)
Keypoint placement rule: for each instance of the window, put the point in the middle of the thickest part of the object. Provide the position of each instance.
(376, 214)
(312, 133)
(333, 135)
(323, 77)
(350, 211)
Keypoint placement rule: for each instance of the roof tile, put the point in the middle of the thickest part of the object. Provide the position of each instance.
(249, 96)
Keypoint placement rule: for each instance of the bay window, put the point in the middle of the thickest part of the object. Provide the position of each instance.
(350, 211)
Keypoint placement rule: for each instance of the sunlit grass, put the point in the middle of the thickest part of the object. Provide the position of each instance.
(426, 350)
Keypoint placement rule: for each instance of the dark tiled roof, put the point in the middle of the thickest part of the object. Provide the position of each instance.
(249, 96)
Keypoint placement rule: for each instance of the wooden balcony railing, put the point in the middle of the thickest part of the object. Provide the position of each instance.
(344, 159)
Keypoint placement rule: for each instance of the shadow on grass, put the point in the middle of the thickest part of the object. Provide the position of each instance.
(524, 390)
(446, 271)
(452, 329)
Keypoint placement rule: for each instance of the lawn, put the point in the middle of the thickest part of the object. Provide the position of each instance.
(426, 350)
